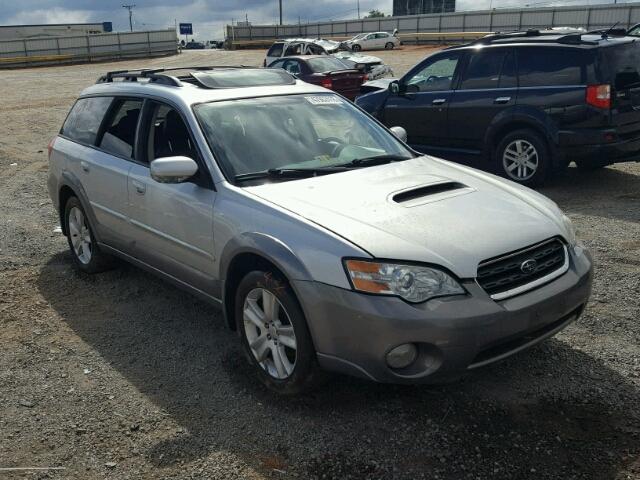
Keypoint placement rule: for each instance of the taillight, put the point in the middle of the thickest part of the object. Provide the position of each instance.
(50, 146)
(365, 78)
(327, 83)
(599, 96)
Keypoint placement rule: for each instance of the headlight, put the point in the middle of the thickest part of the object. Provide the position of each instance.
(410, 282)
(571, 231)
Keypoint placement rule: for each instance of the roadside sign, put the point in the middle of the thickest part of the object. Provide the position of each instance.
(186, 29)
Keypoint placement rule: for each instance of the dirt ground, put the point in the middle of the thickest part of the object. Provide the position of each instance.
(120, 375)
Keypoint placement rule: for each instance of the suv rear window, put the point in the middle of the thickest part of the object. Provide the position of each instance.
(84, 120)
(275, 50)
(624, 62)
(539, 67)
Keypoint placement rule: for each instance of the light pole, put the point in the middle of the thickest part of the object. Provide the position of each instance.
(280, 3)
(358, 9)
(130, 8)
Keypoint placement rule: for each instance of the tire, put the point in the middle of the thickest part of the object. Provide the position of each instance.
(82, 242)
(523, 156)
(298, 370)
(589, 166)
(356, 48)
(389, 46)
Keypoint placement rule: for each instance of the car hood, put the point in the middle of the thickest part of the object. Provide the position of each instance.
(422, 210)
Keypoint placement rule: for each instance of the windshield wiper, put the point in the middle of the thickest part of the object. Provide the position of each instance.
(288, 173)
(377, 160)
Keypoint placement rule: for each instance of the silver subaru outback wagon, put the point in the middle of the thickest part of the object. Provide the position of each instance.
(328, 243)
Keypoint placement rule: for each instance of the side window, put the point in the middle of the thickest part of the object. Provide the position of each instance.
(539, 67)
(275, 50)
(293, 49)
(168, 135)
(436, 76)
(85, 118)
(120, 134)
(508, 76)
(292, 66)
(483, 70)
(381, 35)
(277, 64)
(370, 36)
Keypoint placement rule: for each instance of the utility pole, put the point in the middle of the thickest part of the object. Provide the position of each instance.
(130, 8)
(280, 3)
(358, 9)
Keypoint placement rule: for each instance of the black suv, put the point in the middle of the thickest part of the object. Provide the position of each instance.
(523, 104)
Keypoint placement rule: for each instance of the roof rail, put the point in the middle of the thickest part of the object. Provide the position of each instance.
(158, 75)
(502, 35)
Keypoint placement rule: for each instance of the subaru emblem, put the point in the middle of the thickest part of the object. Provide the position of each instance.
(528, 266)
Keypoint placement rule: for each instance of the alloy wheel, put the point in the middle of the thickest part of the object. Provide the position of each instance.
(269, 333)
(520, 160)
(80, 235)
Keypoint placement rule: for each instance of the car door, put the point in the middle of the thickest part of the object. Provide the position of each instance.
(101, 172)
(487, 90)
(173, 222)
(369, 42)
(421, 104)
(381, 40)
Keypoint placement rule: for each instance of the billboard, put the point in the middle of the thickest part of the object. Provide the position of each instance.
(186, 29)
(417, 7)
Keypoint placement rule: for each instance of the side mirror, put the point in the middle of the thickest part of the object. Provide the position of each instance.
(173, 169)
(400, 133)
(394, 87)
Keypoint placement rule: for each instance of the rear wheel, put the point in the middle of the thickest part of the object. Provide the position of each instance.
(389, 46)
(523, 156)
(274, 333)
(82, 243)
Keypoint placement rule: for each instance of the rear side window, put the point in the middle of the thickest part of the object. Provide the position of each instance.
(491, 68)
(624, 63)
(120, 135)
(85, 118)
(538, 67)
(275, 50)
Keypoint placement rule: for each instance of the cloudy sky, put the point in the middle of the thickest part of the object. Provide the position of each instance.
(209, 16)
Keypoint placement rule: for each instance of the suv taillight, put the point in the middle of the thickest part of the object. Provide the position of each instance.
(599, 96)
(327, 83)
(50, 146)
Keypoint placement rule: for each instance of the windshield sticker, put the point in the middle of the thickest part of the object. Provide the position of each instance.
(324, 100)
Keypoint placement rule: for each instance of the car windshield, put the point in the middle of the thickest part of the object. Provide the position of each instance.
(325, 64)
(312, 131)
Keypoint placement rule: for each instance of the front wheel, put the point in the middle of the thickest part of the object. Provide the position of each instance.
(356, 48)
(274, 333)
(523, 156)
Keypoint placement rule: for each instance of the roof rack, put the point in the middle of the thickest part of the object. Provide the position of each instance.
(158, 75)
(571, 38)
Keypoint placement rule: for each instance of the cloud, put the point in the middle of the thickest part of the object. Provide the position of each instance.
(50, 15)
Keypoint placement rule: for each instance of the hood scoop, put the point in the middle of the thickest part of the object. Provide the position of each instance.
(433, 192)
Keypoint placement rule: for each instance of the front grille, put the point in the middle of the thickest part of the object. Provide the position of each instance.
(508, 272)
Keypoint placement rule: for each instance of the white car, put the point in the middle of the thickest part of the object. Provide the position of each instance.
(373, 41)
(300, 46)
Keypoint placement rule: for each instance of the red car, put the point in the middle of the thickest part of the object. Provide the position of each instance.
(324, 70)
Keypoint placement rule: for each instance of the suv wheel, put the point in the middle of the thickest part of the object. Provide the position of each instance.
(274, 333)
(82, 243)
(523, 156)
(389, 46)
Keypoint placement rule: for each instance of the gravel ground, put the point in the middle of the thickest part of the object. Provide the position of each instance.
(120, 375)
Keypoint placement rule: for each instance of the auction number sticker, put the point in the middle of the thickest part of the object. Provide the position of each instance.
(324, 100)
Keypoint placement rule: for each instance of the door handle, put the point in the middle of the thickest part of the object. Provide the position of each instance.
(439, 101)
(85, 166)
(140, 187)
(502, 100)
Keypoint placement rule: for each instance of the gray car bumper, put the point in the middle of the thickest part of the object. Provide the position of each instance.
(353, 332)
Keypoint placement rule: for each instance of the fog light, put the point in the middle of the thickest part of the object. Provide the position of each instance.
(402, 356)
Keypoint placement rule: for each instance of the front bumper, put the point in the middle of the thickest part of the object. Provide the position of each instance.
(353, 332)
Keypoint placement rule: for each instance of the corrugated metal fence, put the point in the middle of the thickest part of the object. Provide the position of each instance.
(87, 48)
(589, 17)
